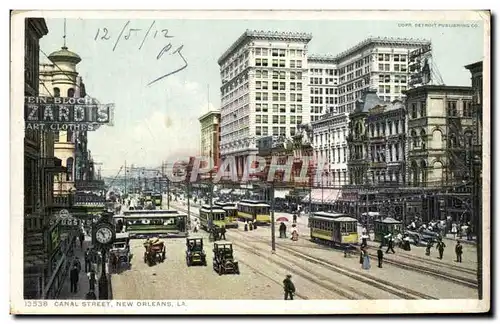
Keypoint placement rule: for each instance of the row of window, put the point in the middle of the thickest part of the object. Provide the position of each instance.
(350, 227)
(275, 131)
(294, 64)
(378, 129)
(278, 119)
(387, 89)
(386, 78)
(278, 52)
(397, 67)
(264, 107)
(328, 72)
(264, 96)
(332, 157)
(395, 57)
(264, 85)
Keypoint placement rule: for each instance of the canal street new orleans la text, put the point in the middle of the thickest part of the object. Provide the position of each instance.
(104, 304)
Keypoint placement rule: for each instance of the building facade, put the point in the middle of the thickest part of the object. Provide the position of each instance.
(264, 90)
(210, 136)
(330, 146)
(440, 134)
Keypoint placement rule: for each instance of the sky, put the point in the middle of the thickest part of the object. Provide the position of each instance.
(158, 122)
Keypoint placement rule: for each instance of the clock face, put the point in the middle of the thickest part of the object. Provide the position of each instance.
(104, 235)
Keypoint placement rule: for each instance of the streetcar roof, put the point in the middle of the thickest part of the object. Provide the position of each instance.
(345, 219)
(152, 214)
(325, 214)
(213, 210)
(253, 204)
(250, 201)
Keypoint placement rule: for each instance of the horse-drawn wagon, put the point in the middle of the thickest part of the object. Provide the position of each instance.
(155, 251)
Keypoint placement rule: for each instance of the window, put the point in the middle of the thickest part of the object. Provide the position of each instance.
(414, 111)
(265, 74)
(282, 75)
(292, 64)
(423, 138)
(275, 63)
(396, 57)
(299, 64)
(423, 109)
(282, 108)
(299, 110)
(403, 68)
(258, 62)
(258, 74)
(292, 131)
(282, 86)
(258, 131)
(396, 124)
(264, 107)
(381, 57)
(292, 108)
(292, 120)
(57, 92)
(299, 119)
(396, 67)
(275, 131)
(282, 52)
(282, 119)
(467, 109)
(275, 96)
(452, 108)
(282, 63)
(274, 52)
(265, 119)
(258, 119)
(71, 93)
(275, 108)
(264, 62)
(69, 167)
(275, 119)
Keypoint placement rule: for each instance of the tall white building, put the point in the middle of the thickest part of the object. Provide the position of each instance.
(264, 90)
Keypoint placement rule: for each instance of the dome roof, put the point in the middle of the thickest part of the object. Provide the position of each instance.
(65, 56)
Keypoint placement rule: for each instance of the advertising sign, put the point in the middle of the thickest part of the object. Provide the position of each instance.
(85, 198)
(420, 66)
(63, 113)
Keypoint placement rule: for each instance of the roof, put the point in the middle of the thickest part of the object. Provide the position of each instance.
(473, 66)
(208, 114)
(435, 88)
(345, 219)
(271, 35)
(330, 215)
(214, 210)
(64, 55)
(368, 100)
(390, 220)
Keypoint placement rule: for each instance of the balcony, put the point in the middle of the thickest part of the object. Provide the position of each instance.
(61, 201)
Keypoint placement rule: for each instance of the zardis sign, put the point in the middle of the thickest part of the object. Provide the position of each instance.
(62, 113)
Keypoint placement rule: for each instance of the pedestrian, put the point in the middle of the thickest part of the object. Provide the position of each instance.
(469, 232)
(282, 230)
(458, 251)
(440, 247)
(78, 264)
(294, 218)
(289, 287)
(380, 256)
(454, 230)
(428, 248)
(92, 280)
(246, 226)
(90, 295)
(250, 225)
(254, 224)
(87, 260)
(73, 278)
(390, 244)
(223, 233)
(82, 238)
(366, 259)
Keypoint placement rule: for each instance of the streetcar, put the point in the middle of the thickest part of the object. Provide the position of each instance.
(157, 199)
(387, 226)
(140, 224)
(231, 219)
(333, 229)
(250, 210)
(211, 216)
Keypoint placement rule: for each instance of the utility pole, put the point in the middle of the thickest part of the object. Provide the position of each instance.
(273, 231)
(188, 194)
(125, 178)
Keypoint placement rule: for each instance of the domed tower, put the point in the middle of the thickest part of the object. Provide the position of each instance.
(64, 74)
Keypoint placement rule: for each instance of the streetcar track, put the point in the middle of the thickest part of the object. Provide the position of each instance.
(375, 281)
(316, 278)
(300, 273)
(400, 291)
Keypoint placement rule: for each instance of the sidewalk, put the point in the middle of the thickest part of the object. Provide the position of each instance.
(83, 281)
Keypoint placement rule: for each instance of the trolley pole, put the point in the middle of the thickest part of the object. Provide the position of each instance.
(273, 232)
(188, 194)
(168, 193)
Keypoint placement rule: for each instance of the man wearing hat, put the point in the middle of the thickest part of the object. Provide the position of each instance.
(288, 287)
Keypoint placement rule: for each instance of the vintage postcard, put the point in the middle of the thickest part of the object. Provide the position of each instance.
(250, 162)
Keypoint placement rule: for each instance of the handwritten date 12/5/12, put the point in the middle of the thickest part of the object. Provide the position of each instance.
(127, 33)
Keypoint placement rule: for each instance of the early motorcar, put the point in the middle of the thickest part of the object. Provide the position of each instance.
(223, 259)
(195, 255)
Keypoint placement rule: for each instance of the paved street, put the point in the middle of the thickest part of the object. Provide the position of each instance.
(405, 278)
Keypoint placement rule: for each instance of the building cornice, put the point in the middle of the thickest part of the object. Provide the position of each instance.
(437, 88)
(208, 114)
(271, 35)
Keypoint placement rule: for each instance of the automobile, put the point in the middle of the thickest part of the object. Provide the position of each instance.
(224, 262)
(195, 255)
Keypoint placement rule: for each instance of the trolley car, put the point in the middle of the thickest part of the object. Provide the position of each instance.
(333, 229)
(231, 219)
(211, 216)
(387, 226)
(250, 210)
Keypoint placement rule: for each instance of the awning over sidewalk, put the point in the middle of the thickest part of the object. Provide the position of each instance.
(322, 196)
(281, 193)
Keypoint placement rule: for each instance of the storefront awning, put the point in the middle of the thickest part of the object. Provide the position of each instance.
(281, 194)
(322, 196)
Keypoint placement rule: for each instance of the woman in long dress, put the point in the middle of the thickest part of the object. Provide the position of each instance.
(366, 260)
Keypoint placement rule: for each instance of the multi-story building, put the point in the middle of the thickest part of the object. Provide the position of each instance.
(210, 136)
(377, 142)
(336, 82)
(330, 147)
(440, 130)
(264, 90)
(323, 85)
(61, 79)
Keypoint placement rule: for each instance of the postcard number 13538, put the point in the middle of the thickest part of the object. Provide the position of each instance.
(35, 303)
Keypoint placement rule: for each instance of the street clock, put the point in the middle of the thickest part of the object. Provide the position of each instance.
(104, 233)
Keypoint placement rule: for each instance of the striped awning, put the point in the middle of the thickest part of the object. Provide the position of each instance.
(322, 196)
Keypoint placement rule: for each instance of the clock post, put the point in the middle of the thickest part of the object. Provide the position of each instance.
(104, 235)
